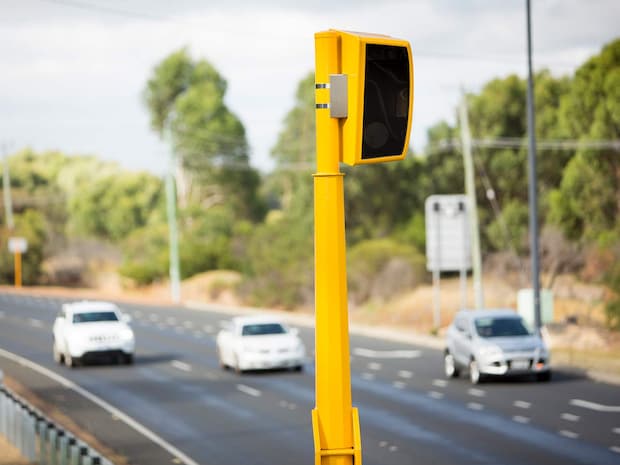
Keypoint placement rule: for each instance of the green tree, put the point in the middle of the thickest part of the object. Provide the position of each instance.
(185, 98)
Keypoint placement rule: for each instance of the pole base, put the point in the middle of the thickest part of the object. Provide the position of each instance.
(355, 452)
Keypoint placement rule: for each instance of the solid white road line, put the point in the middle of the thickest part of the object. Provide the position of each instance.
(594, 406)
(181, 365)
(475, 406)
(568, 434)
(476, 392)
(522, 404)
(520, 419)
(440, 382)
(249, 390)
(369, 353)
(405, 374)
(569, 417)
(101, 403)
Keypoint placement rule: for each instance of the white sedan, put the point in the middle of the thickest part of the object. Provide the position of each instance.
(254, 343)
(90, 329)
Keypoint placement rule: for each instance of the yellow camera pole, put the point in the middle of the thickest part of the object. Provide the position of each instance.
(335, 423)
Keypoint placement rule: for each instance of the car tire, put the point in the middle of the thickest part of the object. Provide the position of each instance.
(58, 357)
(544, 376)
(237, 368)
(474, 372)
(70, 361)
(220, 361)
(450, 368)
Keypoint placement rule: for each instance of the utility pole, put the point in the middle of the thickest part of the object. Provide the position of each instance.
(173, 247)
(470, 192)
(532, 191)
(6, 188)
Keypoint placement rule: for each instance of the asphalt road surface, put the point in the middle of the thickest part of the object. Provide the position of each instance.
(409, 412)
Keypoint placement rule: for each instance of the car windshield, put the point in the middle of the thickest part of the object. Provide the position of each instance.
(262, 329)
(500, 327)
(91, 317)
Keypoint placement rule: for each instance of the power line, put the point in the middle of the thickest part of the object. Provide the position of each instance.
(445, 145)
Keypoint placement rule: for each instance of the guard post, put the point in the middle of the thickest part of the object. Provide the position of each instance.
(364, 104)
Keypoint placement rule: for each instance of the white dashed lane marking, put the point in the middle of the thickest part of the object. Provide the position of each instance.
(616, 430)
(440, 382)
(475, 406)
(615, 449)
(568, 434)
(522, 404)
(249, 390)
(369, 353)
(368, 376)
(36, 323)
(399, 384)
(520, 419)
(476, 392)
(569, 417)
(405, 374)
(436, 395)
(594, 406)
(171, 320)
(374, 366)
(181, 365)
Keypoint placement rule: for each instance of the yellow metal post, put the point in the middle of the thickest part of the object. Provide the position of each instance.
(335, 423)
(18, 269)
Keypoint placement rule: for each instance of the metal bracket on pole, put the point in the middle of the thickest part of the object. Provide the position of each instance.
(355, 451)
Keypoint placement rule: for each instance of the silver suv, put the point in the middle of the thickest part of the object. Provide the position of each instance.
(494, 343)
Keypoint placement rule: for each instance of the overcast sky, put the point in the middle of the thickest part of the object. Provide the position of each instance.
(72, 71)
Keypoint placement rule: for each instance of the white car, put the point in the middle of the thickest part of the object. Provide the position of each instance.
(91, 329)
(494, 343)
(258, 342)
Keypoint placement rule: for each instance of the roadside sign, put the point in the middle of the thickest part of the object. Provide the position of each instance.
(18, 244)
(447, 233)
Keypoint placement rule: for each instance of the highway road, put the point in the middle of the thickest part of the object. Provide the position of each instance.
(409, 412)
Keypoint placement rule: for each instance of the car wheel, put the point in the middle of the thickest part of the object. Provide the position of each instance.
(544, 376)
(70, 361)
(238, 369)
(58, 357)
(474, 373)
(450, 368)
(220, 361)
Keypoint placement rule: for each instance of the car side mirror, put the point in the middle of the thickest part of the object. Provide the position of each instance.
(126, 318)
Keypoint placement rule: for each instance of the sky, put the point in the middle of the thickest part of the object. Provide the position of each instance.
(72, 72)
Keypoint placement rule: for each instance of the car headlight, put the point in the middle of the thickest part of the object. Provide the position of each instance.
(126, 334)
(490, 351)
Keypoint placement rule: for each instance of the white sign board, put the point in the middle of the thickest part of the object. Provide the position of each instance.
(525, 306)
(447, 233)
(18, 244)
